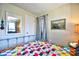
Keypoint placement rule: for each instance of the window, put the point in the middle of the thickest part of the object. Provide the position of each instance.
(13, 23)
(12, 27)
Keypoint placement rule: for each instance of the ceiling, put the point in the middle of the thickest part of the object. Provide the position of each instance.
(38, 8)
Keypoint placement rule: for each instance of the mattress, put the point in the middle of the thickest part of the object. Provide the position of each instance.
(37, 49)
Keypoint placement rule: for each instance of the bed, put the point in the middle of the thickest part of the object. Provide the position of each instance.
(37, 49)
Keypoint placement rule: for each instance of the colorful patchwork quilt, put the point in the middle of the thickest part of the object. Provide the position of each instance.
(37, 49)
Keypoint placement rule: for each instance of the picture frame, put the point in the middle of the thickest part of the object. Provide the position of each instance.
(59, 24)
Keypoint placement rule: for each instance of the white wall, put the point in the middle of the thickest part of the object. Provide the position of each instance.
(30, 27)
(69, 12)
(21, 12)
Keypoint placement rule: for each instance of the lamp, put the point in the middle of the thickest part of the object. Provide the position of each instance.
(77, 28)
(2, 25)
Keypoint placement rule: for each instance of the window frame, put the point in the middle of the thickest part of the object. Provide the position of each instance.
(17, 21)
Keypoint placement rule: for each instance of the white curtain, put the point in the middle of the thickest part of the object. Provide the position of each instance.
(41, 28)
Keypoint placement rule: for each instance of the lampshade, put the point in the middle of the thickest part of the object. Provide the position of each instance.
(77, 28)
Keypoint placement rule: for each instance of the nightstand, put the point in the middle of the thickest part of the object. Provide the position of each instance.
(73, 48)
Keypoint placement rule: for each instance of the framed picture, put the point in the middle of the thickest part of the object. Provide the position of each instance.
(58, 24)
